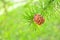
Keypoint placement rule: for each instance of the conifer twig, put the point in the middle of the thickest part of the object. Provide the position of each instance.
(48, 4)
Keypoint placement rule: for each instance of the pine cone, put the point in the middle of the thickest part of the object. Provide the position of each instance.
(38, 19)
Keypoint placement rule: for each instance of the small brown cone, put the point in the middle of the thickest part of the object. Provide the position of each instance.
(38, 19)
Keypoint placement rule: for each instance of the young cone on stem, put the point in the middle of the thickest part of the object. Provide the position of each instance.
(38, 19)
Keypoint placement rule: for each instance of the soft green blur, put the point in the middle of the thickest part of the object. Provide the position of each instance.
(19, 25)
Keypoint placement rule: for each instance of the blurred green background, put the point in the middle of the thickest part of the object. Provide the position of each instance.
(16, 20)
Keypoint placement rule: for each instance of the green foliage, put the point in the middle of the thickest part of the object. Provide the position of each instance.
(19, 24)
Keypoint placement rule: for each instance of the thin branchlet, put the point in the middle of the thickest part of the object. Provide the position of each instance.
(48, 4)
